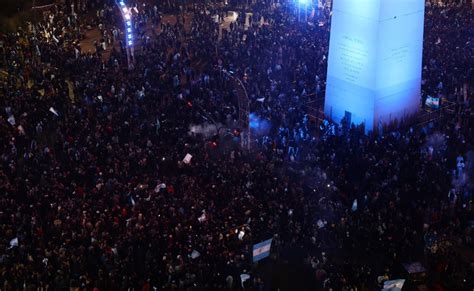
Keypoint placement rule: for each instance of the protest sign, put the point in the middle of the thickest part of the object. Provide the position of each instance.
(187, 159)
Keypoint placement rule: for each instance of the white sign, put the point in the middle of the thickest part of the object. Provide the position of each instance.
(187, 159)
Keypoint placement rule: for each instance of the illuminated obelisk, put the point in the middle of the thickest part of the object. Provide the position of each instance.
(375, 55)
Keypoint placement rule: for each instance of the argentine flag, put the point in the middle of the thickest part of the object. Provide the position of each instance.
(261, 250)
(393, 285)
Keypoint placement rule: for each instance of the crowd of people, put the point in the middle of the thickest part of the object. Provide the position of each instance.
(96, 193)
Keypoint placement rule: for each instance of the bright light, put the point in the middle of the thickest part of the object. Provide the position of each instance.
(303, 2)
(127, 16)
(234, 16)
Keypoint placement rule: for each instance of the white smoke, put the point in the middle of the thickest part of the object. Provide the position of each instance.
(206, 129)
(436, 143)
(467, 178)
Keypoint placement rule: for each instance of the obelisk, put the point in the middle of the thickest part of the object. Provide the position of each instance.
(374, 62)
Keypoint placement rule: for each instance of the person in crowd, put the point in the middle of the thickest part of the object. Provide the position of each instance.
(97, 195)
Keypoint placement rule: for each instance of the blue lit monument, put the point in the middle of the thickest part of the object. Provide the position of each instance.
(374, 66)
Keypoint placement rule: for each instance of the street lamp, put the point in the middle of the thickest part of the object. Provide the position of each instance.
(244, 112)
(129, 39)
(302, 4)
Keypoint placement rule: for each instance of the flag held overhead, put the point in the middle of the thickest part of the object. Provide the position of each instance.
(14, 243)
(393, 285)
(261, 250)
(52, 110)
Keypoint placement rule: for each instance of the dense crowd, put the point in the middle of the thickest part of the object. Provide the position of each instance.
(95, 194)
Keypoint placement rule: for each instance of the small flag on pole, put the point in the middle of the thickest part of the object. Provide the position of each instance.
(52, 110)
(261, 250)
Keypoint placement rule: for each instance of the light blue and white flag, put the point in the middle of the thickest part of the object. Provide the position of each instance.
(243, 278)
(261, 250)
(14, 243)
(393, 285)
(354, 205)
